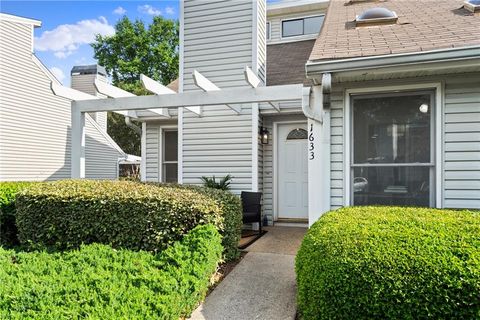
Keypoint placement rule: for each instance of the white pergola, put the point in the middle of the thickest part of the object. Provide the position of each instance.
(315, 105)
(164, 98)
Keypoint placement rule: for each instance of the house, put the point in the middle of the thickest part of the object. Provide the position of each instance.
(403, 102)
(35, 126)
(317, 104)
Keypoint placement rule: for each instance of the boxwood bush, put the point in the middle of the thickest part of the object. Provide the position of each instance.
(99, 282)
(123, 214)
(231, 207)
(391, 263)
(8, 228)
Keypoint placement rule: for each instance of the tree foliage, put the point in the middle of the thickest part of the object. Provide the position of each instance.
(136, 49)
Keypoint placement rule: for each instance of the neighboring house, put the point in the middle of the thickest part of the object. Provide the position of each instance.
(388, 111)
(35, 125)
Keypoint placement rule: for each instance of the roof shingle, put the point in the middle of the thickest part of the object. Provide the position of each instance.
(286, 62)
(422, 25)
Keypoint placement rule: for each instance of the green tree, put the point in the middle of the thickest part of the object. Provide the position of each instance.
(137, 49)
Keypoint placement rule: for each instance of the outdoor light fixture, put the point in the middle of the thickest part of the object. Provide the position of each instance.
(423, 108)
(264, 134)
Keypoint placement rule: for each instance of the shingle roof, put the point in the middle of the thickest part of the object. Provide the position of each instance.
(286, 62)
(422, 25)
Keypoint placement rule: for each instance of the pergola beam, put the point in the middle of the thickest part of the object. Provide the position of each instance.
(208, 86)
(157, 88)
(114, 92)
(255, 82)
(194, 98)
(75, 95)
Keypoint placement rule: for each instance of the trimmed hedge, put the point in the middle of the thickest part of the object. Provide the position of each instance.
(390, 263)
(231, 207)
(8, 227)
(98, 282)
(123, 214)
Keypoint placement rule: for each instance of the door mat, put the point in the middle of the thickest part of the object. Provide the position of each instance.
(249, 237)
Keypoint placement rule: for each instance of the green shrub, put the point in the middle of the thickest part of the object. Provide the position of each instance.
(65, 214)
(223, 184)
(98, 282)
(8, 228)
(390, 263)
(231, 208)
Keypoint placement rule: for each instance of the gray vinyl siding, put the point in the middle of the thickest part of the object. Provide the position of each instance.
(267, 172)
(35, 126)
(218, 42)
(152, 152)
(262, 41)
(101, 159)
(337, 174)
(460, 139)
(462, 143)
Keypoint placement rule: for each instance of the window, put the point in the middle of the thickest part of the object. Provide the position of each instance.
(170, 156)
(268, 30)
(304, 26)
(393, 148)
(297, 134)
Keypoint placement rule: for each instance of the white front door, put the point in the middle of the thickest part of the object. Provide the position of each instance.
(292, 174)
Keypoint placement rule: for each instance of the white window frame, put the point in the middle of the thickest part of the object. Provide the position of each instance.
(302, 36)
(437, 130)
(161, 153)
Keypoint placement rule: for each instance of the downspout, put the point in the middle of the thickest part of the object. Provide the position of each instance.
(313, 113)
(326, 90)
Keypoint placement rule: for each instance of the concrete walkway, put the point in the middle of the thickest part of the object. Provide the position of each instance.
(262, 285)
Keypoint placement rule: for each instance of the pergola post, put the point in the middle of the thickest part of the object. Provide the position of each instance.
(78, 143)
(318, 153)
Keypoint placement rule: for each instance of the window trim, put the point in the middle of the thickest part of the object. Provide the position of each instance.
(161, 153)
(437, 132)
(268, 31)
(307, 36)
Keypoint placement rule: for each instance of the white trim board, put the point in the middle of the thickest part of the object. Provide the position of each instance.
(275, 162)
(255, 122)
(438, 123)
(143, 150)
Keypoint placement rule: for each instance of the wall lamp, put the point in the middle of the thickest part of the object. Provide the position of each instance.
(264, 135)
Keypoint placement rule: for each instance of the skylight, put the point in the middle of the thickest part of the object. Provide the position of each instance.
(377, 16)
(472, 5)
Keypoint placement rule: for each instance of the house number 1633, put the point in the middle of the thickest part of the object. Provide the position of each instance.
(311, 147)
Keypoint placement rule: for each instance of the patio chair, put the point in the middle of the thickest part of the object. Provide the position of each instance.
(252, 208)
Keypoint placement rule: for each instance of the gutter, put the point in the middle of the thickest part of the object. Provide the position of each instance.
(315, 68)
